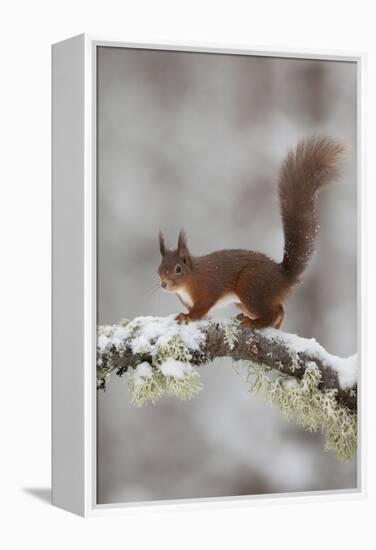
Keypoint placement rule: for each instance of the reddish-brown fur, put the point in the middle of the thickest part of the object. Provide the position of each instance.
(261, 284)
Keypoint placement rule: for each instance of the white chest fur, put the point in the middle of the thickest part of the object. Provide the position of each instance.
(224, 301)
(184, 297)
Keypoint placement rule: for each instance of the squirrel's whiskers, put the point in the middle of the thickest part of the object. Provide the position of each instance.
(150, 291)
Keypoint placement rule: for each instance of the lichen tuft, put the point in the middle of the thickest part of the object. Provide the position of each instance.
(231, 334)
(147, 389)
(186, 387)
(175, 349)
(151, 388)
(312, 408)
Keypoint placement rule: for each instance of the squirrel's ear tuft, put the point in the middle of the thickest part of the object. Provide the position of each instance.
(162, 246)
(183, 246)
(182, 240)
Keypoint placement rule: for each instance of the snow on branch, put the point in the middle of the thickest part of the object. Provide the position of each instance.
(306, 382)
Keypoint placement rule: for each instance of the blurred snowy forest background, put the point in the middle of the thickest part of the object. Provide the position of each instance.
(195, 140)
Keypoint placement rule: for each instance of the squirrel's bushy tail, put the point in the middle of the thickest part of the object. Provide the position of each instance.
(313, 164)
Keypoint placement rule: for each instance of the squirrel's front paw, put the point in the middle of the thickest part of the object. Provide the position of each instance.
(245, 321)
(182, 318)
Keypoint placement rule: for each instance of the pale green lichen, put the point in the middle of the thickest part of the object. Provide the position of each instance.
(150, 389)
(294, 364)
(312, 408)
(185, 386)
(231, 334)
(174, 349)
(103, 372)
(153, 387)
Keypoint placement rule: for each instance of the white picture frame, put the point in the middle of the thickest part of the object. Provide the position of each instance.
(74, 275)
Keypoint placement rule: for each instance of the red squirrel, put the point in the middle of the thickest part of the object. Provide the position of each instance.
(256, 284)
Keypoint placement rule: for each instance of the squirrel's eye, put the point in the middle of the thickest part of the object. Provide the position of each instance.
(178, 269)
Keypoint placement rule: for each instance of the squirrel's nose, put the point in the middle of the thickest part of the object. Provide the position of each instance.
(163, 284)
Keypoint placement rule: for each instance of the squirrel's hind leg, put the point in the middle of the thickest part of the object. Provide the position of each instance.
(272, 318)
(261, 291)
(280, 317)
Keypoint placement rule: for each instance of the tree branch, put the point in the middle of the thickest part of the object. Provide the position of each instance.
(150, 340)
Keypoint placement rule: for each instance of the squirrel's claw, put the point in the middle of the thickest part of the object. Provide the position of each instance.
(182, 318)
(240, 317)
(245, 321)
